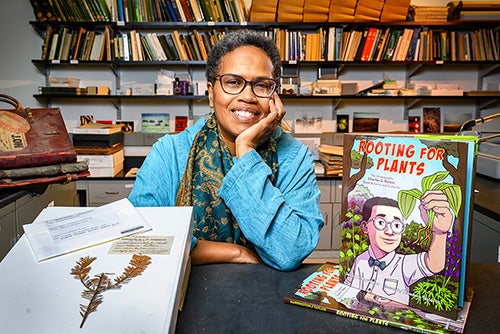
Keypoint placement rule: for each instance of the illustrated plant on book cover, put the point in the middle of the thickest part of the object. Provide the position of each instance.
(405, 210)
(94, 287)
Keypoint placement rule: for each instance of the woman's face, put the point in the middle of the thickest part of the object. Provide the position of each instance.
(236, 113)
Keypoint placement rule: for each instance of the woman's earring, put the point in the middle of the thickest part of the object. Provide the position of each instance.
(211, 122)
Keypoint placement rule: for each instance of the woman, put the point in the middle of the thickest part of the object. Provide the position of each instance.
(252, 186)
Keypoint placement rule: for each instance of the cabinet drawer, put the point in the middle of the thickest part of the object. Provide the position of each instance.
(7, 228)
(103, 192)
(325, 189)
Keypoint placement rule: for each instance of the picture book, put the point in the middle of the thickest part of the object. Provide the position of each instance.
(322, 291)
(406, 208)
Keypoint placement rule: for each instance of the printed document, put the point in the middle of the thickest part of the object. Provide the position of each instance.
(53, 234)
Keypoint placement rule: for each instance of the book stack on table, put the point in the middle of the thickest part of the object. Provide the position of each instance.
(101, 145)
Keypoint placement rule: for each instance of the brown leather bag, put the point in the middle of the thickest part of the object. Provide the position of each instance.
(35, 148)
(31, 137)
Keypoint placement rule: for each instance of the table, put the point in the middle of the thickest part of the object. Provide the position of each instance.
(246, 298)
(44, 298)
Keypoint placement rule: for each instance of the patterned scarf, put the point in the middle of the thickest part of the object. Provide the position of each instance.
(208, 162)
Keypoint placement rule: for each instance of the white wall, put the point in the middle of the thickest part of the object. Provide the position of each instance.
(19, 44)
(20, 78)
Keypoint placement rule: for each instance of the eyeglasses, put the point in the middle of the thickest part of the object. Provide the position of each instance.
(234, 84)
(380, 224)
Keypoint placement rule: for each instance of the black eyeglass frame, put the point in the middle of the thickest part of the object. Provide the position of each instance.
(251, 82)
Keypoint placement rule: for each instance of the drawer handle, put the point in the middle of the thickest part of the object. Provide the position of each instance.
(112, 192)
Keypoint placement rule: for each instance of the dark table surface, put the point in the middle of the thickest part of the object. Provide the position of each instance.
(487, 196)
(246, 298)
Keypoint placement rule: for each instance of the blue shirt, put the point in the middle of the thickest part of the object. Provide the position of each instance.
(283, 221)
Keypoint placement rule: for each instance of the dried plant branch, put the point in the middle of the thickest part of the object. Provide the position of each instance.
(94, 287)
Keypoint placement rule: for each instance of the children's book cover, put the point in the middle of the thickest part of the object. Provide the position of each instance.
(406, 209)
(322, 291)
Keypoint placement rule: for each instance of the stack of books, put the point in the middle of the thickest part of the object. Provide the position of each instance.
(395, 10)
(263, 10)
(430, 13)
(473, 10)
(331, 158)
(341, 10)
(101, 145)
(316, 10)
(368, 10)
(290, 11)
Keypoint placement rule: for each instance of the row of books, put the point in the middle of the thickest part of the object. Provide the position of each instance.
(140, 10)
(387, 44)
(89, 45)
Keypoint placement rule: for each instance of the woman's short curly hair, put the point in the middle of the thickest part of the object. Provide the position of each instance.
(233, 40)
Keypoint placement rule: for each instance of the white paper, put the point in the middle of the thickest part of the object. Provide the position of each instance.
(53, 234)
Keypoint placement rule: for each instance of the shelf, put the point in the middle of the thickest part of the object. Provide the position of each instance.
(40, 62)
(122, 97)
(346, 70)
(283, 96)
(263, 25)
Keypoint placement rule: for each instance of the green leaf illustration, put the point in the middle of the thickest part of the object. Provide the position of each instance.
(407, 200)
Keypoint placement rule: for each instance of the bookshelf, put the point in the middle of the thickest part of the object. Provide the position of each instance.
(408, 70)
(474, 75)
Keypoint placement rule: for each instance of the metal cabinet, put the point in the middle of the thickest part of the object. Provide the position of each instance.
(7, 228)
(99, 192)
(330, 205)
(26, 208)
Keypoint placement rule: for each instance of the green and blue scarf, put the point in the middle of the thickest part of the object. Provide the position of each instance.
(208, 162)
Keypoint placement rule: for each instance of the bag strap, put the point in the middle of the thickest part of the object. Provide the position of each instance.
(12, 101)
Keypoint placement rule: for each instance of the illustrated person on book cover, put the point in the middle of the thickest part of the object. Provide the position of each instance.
(406, 210)
(380, 269)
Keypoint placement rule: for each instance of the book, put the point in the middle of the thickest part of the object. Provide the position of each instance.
(290, 11)
(7, 175)
(406, 208)
(181, 123)
(365, 122)
(331, 158)
(86, 139)
(432, 119)
(342, 123)
(104, 150)
(106, 171)
(414, 124)
(322, 291)
(263, 10)
(103, 160)
(98, 128)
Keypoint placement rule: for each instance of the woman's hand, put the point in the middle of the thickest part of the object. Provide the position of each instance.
(222, 252)
(258, 133)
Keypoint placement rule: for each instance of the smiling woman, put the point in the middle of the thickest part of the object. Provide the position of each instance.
(252, 185)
